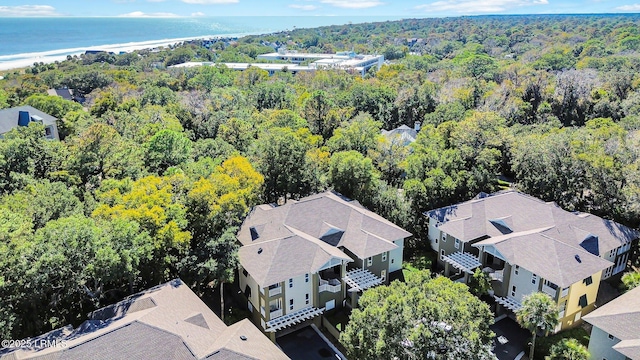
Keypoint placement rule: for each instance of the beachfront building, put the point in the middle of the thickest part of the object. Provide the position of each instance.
(295, 62)
(24, 115)
(313, 255)
(165, 322)
(528, 245)
(616, 328)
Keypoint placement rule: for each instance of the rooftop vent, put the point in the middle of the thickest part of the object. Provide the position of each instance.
(259, 250)
(243, 338)
(578, 258)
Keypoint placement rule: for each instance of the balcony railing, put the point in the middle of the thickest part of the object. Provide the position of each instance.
(275, 313)
(332, 285)
(275, 291)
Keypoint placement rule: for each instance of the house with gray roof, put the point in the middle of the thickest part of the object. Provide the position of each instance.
(616, 328)
(402, 135)
(528, 245)
(313, 255)
(24, 115)
(165, 322)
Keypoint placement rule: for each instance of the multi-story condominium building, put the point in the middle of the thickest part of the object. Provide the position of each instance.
(168, 321)
(312, 255)
(529, 245)
(616, 328)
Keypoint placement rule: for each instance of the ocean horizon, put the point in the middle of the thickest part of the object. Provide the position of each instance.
(24, 41)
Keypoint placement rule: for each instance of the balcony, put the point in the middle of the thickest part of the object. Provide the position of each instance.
(331, 285)
(550, 291)
(275, 291)
(274, 313)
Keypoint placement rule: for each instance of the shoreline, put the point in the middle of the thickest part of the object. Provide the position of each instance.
(21, 61)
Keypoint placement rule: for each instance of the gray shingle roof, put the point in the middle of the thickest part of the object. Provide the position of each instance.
(166, 322)
(619, 317)
(9, 117)
(549, 258)
(290, 236)
(402, 134)
(476, 218)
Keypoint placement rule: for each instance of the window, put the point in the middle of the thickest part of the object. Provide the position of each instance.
(290, 283)
(383, 275)
(370, 261)
(457, 244)
(306, 299)
(443, 236)
(516, 269)
(48, 131)
(513, 290)
(534, 279)
(588, 281)
(244, 272)
(384, 256)
(442, 254)
(291, 304)
(392, 260)
(306, 278)
(583, 300)
(611, 337)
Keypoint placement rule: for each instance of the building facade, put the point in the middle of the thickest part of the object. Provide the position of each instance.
(616, 328)
(313, 255)
(528, 245)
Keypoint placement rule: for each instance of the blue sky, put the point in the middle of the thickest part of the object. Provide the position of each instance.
(402, 8)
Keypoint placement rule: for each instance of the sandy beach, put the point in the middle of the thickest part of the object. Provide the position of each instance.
(17, 61)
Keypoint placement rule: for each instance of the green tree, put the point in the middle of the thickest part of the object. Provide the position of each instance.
(353, 175)
(631, 279)
(165, 149)
(359, 134)
(568, 349)
(423, 318)
(538, 313)
(284, 160)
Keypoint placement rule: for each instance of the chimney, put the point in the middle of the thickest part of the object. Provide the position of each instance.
(416, 126)
(23, 118)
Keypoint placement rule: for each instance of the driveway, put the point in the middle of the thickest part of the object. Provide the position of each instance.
(306, 344)
(510, 339)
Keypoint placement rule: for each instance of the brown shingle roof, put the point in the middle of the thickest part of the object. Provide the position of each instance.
(481, 217)
(166, 322)
(290, 236)
(549, 258)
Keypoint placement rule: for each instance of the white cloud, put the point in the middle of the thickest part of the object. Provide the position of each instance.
(303, 7)
(633, 7)
(353, 4)
(199, 13)
(478, 6)
(210, 2)
(140, 14)
(28, 10)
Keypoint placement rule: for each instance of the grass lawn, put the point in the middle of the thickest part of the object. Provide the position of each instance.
(543, 344)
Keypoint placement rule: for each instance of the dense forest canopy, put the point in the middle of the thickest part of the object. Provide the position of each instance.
(160, 165)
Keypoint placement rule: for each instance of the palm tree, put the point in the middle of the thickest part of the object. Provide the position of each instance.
(538, 312)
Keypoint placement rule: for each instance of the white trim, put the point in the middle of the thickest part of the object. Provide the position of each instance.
(293, 318)
(464, 261)
(359, 279)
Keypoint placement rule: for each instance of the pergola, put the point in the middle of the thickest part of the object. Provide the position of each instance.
(293, 318)
(361, 279)
(509, 303)
(464, 261)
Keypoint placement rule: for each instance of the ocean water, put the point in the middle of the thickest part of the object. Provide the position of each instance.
(24, 41)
